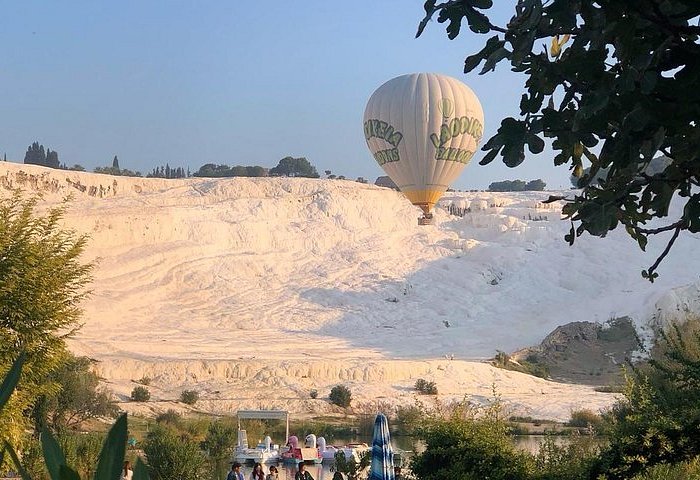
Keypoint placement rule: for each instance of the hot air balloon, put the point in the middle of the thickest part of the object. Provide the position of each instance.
(423, 129)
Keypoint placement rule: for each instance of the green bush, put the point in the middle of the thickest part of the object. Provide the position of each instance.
(408, 419)
(532, 364)
(80, 397)
(140, 394)
(171, 417)
(425, 387)
(145, 380)
(657, 420)
(172, 456)
(470, 444)
(586, 418)
(686, 471)
(340, 395)
(313, 393)
(82, 450)
(189, 397)
(569, 461)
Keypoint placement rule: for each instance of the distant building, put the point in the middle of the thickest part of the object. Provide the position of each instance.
(385, 181)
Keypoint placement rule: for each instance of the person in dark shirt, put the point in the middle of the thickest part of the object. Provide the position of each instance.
(302, 474)
(235, 473)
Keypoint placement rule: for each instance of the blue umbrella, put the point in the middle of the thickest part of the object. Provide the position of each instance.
(382, 467)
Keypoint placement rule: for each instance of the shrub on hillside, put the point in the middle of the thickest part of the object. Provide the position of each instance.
(140, 394)
(425, 387)
(189, 397)
(340, 395)
(145, 380)
(313, 394)
(171, 417)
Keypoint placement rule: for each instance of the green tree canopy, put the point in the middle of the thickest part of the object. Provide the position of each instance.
(80, 397)
(658, 419)
(517, 186)
(470, 444)
(172, 456)
(295, 167)
(212, 170)
(42, 282)
(616, 86)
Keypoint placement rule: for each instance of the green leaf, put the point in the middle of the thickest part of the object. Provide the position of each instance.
(492, 44)
(53, 455)
(488, 158)
(67, 473)
(691, 212)
(535, 144)
(482, 4)
(478, 22)
(429, 10)
(493, 60)
(514, 154)
(554, 198)
(648, 82)
(23, 473)
(637, 119)
(112, 453)
(11, 380)
(471, 62)
(140, 471)
(571, 236)
(651, 278)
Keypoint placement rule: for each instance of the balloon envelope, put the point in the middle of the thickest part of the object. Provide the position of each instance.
(423, 129)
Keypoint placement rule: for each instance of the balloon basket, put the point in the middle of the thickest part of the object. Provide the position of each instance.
(426, 219)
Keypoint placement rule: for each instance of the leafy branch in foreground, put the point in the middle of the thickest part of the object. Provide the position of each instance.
(111, 458)
(42, 284)
(613, 85)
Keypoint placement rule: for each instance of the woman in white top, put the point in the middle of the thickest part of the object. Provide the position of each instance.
(127, 473)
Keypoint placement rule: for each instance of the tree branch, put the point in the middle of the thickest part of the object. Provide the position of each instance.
(679, 225)
(658, 261)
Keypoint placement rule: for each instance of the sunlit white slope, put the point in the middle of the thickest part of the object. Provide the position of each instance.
(200, 278)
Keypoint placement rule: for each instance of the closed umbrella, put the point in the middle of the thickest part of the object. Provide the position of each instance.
(382, 467)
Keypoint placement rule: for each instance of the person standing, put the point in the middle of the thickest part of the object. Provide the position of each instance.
(127, 472)
(257, 473)
(302, 474)
(235, 473)
(273, 475)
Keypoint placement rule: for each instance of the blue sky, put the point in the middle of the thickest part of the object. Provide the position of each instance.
(190, 83)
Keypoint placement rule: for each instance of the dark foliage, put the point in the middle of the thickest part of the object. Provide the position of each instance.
(295, 167)
(80, 397)
(37, 156)
(168, 172)
(659, 418)
(140, 394)
(340, 395)
(211, 170)
(617, 86)
(517, 186)
(425, 387)
(189, 397)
